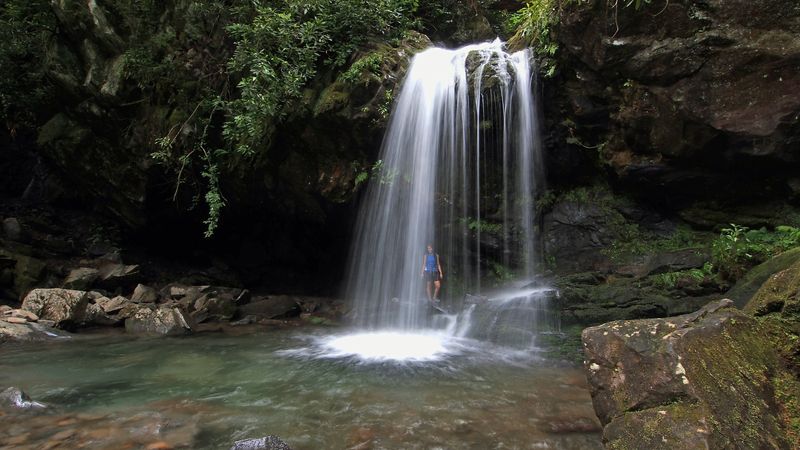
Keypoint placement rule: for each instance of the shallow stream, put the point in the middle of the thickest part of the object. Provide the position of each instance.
(208, 390)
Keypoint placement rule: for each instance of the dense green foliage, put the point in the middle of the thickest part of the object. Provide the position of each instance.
(669, 280)
(534, 25)
(276, 50)
(25, 27)
(287, 43)
(739, 248)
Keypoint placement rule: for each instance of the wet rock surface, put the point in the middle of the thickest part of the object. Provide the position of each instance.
(591, 298)
(163, 320)
(15, 398)
(270, 442)
(65, 307)
(22, 332)
(686, 99)
(701, 380)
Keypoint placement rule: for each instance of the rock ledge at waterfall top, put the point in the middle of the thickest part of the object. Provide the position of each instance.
(701, 380)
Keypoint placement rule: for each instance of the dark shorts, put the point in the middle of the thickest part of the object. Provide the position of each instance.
(432, 276)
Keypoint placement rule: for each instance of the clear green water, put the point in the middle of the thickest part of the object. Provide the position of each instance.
(207, 391)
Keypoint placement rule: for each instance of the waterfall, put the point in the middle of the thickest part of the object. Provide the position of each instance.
(457, 169)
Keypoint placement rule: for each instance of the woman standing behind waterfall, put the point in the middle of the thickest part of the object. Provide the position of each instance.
(432, 272)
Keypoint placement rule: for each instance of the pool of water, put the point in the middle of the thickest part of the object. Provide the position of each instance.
(316, 389)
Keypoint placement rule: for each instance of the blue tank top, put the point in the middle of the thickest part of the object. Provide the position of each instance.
(430, 262)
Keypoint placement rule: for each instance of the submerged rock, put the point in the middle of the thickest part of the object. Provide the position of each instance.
(65, 307)
(701, 380)
(16, 398)
(270, 442)
(167, 321)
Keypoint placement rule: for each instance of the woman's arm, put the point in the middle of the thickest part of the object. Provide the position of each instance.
(439, 265)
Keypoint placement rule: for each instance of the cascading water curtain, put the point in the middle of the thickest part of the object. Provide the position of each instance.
(458, 170)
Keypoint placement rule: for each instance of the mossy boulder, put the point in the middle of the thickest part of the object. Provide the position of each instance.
(779, 294)
(777, 306)
(700, 380)
(746, 288)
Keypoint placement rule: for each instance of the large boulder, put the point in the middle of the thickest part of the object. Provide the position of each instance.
(744, 289)
(701, 380)
(164, 320)
(65, 307)
(777, 306)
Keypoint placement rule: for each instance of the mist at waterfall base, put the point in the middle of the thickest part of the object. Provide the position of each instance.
(458, 169)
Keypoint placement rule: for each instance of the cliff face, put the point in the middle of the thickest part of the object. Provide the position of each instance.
(690, 108)
(114, 98)
(685, 100)
(104, 130)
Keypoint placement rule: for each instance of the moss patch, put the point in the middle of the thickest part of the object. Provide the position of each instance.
(701, 380)
(777, 306)
(746, 287)
(678, 425)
